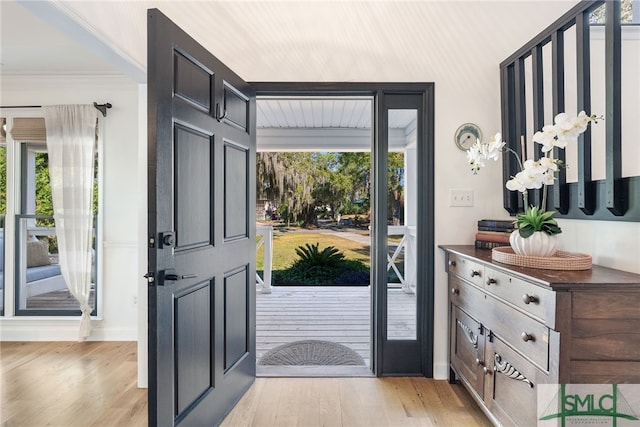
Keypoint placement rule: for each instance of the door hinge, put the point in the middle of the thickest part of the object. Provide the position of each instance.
(150, 276)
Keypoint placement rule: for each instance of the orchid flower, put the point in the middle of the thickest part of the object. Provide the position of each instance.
(541, 172)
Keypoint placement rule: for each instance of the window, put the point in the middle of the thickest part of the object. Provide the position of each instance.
(31, 282)
(40, 287)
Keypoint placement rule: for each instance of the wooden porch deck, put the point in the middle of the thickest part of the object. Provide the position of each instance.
(340, 314)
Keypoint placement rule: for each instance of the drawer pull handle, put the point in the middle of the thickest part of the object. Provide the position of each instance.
(479, 362)
(504, 367)
(475, 273)
(452, 263)
(527, 337)
(454, 291)
(491, 281)
(486, 370)
(473, 339)
(529, 299)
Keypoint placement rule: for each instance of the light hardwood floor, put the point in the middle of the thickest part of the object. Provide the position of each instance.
(70, 384)
(355, 402)
(94, 384)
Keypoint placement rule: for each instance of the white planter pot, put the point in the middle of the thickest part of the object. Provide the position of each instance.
(538, 244)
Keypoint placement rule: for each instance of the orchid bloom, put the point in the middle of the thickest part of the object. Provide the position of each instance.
(475, 157)
(549, 164)
(479, 152)
(541, 172)
(564, 131)
(494, 147)
(547, 137)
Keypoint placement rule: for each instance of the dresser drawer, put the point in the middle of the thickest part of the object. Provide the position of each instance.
(533, 299)
(466, 296)
(466, 269)
(522, 332)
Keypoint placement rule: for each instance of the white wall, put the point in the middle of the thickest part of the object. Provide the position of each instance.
(120, 279)
(611, 244)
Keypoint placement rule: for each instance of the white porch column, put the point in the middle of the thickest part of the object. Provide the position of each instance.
(410, 215)
(266, 231)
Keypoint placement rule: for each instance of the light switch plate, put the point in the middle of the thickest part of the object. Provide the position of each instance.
(460, 197)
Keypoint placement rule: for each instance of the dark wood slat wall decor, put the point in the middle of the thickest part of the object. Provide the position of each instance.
(614, 198)
(586, 189)
(535, 196)
(509, 163)
(615, 201)
(520, 118)
(559, 193)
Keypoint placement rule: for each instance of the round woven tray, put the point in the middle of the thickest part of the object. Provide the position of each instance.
(560, 261)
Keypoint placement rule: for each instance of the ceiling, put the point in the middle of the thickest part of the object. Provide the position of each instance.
(449, 42)
(263, 40)
(314, 113)
(327, 124)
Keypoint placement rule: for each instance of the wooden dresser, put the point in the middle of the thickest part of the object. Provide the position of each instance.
(511, 329)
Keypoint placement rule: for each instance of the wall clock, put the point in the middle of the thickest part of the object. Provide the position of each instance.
(467, 135)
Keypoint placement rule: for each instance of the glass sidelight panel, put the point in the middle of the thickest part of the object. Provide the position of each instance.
(3, 207)
(401, 225)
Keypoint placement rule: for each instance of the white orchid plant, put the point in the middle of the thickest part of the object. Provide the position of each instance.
(534, 174)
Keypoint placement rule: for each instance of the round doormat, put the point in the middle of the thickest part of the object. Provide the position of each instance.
(311, 352)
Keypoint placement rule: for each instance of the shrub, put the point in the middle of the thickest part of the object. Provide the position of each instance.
(311, 256)
(322, 267)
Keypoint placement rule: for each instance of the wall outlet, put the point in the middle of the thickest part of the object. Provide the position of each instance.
(460, 197)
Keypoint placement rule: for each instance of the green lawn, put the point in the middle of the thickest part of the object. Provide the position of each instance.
(285, 244)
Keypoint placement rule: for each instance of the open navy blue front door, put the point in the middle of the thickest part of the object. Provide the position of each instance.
(201, 219)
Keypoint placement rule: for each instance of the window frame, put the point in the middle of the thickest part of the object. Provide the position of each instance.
(16, 204)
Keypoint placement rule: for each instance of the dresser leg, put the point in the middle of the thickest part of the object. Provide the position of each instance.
(452, 377)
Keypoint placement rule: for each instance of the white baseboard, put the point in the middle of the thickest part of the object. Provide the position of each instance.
(58, 330)
(441, 371)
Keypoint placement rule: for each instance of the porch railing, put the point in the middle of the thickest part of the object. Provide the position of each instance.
(405, 248)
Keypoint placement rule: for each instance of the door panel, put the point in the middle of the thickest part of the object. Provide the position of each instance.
(236, 329)
(193, 357)
(194, 168)
(193, 82)
(236, 181)
(236, 106)
(201, 231)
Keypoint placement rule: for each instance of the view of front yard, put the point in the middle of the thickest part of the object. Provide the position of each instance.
(286, 242)
(292, 264)
(319, 257)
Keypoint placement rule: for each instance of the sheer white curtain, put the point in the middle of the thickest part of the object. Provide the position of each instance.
(71, 145)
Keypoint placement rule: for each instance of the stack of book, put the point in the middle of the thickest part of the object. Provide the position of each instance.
(493, 233)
